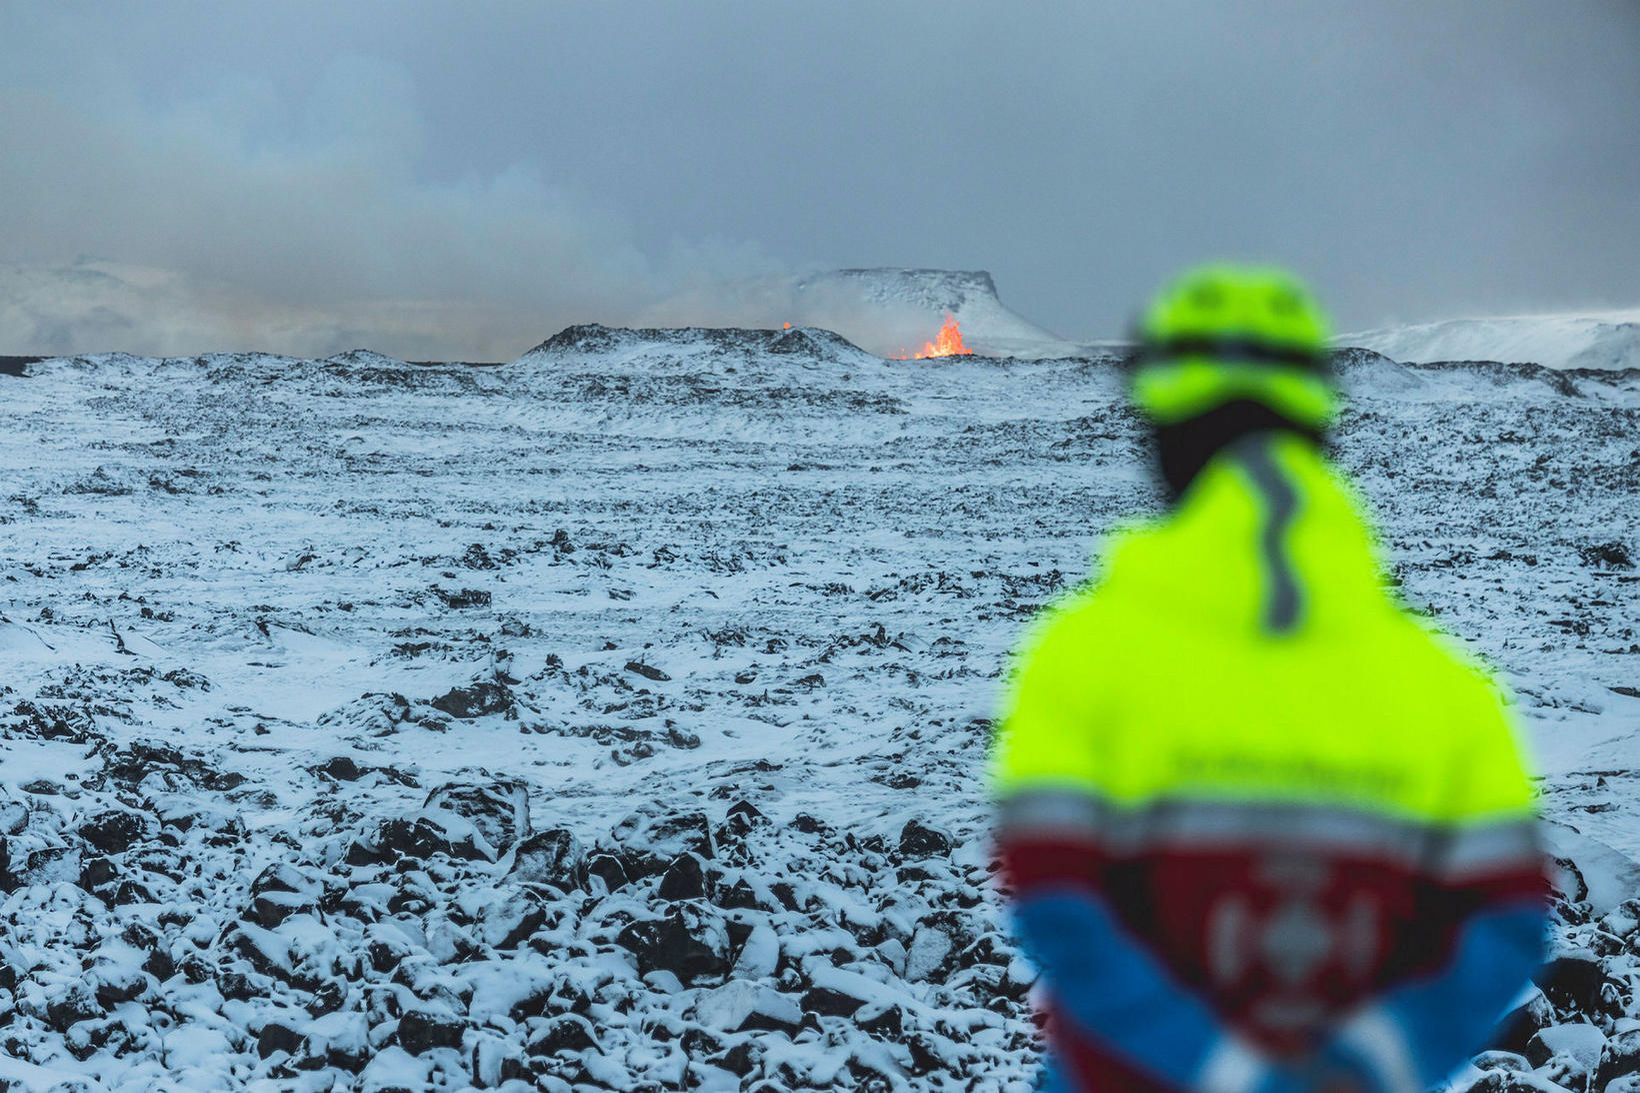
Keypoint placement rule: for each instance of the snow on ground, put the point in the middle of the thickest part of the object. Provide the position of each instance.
(1595, 340)
(615, 718)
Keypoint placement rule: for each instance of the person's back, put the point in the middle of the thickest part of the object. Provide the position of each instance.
(1265, 829)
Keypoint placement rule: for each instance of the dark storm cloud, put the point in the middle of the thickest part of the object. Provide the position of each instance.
(463, 179)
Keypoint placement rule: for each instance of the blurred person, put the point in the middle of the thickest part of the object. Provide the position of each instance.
(1263, 828)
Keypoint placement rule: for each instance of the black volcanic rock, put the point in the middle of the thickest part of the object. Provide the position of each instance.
(648, 671)
(499, 808)
(648, 843)
(76, 1003)
(478, 699)
(114, 831)
(825, 1002)
(417, 838)
(136, 760)
(607, 868)
(685, 878)
(461, 598)
(1620, 1056)
(1610, 555)
(1573, 982)
(919, 840)
(551, 857)
(276, 1036)
(692, 943)
(566, 1032)
(341, 768)
(421, 1031)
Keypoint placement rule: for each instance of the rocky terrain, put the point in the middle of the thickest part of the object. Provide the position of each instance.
(615, 718)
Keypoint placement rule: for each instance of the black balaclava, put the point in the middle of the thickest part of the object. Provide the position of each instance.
(1185, 447)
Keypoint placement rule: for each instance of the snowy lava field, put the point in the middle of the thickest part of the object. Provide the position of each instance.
(616, 718)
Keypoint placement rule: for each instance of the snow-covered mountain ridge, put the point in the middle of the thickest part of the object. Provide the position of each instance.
(932, 289)
(1609, 340)
(615, 717)
(906, 306)
(886, 305)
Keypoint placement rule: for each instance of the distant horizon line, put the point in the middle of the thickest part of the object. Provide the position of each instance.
(11, 363)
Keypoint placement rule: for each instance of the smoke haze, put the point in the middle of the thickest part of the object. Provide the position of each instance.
(458, 182)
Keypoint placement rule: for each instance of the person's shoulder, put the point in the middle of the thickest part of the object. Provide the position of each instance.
(1069, 620)
(1450, 676)
(1081, 624)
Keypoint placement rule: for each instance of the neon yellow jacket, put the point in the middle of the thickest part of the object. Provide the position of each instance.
(1289, 797)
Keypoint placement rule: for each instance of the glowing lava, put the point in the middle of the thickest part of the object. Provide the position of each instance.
(947, 343)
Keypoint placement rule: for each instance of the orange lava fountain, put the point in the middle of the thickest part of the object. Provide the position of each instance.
(947, 343)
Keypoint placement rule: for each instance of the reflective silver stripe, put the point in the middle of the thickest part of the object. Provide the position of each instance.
(1232, 824)
(1055, 811)
(1444, 852)
(1281, 605)
(1196, 825)
(1487, 849)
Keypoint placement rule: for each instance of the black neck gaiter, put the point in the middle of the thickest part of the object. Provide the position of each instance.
(1185, 447)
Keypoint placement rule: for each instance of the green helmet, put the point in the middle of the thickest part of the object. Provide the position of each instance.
(1226, 332)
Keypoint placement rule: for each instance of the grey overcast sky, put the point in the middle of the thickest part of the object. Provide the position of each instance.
(441, 179)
